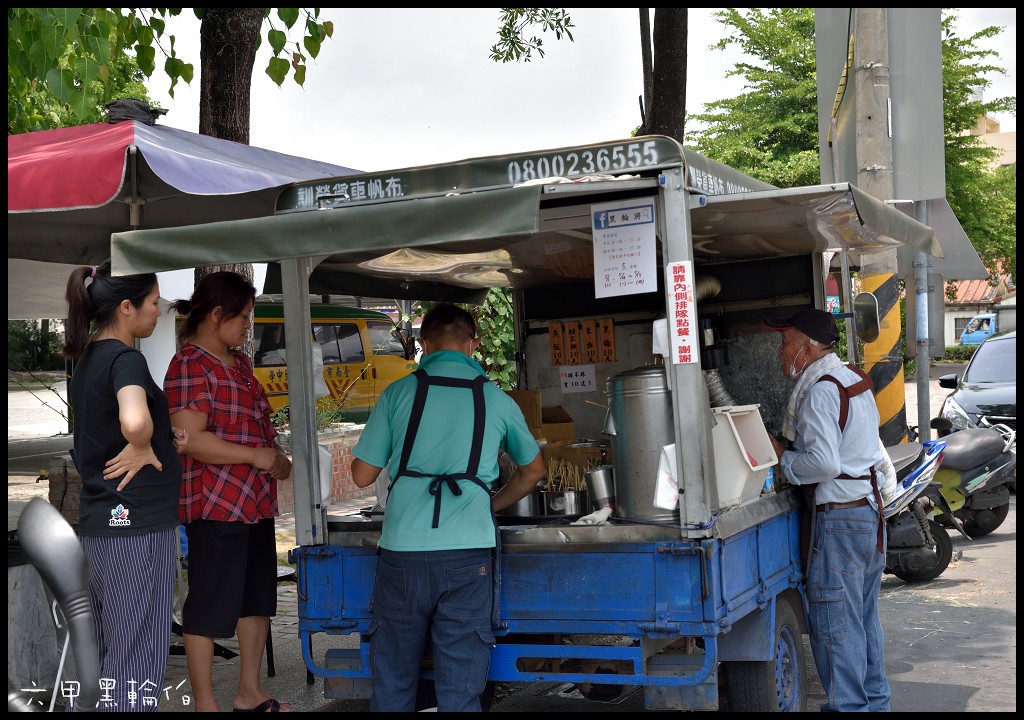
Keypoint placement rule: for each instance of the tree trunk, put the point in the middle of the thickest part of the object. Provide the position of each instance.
(227, 52)
(648, 68)
(667, 111)
(229, 38)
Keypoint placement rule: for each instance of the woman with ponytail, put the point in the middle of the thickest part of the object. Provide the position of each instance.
(126, 453)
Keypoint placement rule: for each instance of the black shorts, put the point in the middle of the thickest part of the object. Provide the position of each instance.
(232, 573)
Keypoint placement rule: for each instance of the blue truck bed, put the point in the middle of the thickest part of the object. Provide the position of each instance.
(624, 604)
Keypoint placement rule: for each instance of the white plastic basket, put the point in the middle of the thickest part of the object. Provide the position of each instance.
(743, 454)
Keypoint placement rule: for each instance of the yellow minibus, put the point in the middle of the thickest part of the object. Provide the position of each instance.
(363, 352)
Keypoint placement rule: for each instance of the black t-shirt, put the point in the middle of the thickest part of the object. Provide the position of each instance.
(150, 501)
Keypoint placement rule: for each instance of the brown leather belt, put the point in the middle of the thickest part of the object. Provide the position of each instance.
(841, 506)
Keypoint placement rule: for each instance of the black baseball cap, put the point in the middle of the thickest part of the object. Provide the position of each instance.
(815, 324)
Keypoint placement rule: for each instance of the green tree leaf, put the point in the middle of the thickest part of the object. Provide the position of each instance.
(278, 70)
(57, 56)
(277, 41)
(288, 16)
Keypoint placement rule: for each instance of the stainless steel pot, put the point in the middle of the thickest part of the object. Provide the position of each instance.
(640, 424)
(565, 502)
(528, 506)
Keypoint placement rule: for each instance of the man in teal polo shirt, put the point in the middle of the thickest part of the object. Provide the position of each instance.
(439, 432)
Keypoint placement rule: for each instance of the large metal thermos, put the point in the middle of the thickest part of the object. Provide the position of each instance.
(640, 424)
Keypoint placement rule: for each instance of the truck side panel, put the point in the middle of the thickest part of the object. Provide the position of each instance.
(657, 613)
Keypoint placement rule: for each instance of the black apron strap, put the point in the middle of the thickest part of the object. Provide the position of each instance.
(479, 414)
(449, 480)
(418, 402)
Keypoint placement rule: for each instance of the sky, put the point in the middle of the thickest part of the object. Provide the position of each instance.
(403, 87)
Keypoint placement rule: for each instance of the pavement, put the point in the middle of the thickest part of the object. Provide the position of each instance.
(37, 430)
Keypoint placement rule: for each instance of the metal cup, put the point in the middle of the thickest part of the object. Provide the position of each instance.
(601, 485)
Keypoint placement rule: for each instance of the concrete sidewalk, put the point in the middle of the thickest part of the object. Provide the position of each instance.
(291, 681)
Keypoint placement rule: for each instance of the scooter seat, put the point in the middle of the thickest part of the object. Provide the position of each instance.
(903, 458)
(969, 448)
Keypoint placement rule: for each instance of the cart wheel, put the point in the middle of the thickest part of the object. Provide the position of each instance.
(778, 685)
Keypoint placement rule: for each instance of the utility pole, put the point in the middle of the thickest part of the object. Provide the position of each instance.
(878, 273)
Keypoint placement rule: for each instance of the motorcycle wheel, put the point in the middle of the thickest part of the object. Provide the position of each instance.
(778, 685)
(943, 554)
(981, 522)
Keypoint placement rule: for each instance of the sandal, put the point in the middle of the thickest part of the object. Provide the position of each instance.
(268, 705)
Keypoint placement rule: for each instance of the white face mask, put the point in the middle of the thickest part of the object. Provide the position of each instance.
(793, 373)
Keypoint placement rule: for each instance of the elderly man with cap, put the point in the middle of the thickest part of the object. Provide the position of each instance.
(831, 448)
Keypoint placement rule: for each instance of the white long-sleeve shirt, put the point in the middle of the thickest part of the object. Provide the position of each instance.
(821, 452)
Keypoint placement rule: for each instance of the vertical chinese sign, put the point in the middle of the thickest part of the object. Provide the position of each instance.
(557, 343)
(573, 349)
(607, 340)
(591, 349)
(682, 312)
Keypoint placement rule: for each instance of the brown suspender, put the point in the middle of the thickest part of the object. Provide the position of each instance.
(845, 393)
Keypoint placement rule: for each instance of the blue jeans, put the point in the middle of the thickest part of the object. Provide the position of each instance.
(843, 583)
(444, 597)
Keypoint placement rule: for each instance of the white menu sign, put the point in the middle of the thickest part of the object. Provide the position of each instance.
(624, 250)
(577, 378)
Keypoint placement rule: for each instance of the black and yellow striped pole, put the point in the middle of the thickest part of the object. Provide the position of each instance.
(883, 358)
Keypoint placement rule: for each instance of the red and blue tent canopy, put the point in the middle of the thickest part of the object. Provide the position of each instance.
(69, 189)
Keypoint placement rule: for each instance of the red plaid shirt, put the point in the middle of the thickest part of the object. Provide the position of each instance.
(238, 412)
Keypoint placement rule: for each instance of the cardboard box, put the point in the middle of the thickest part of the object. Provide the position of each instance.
(556, 427)
(551, 424)
(529, 402)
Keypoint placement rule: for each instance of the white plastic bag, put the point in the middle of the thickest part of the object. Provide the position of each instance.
(320, 388)
(380, 489)
(666, 492)
(326, 459)
(887, 487)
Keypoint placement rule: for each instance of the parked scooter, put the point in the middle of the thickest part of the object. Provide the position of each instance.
(52, 546)
(976, 469)
(918, 548)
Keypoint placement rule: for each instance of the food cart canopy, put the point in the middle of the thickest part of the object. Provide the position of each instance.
(452, 231)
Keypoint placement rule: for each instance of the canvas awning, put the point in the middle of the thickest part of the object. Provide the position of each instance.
(458, 229)
(430, 248)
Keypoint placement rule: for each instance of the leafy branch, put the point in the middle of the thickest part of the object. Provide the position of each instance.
(74, 54)
(513, 46)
